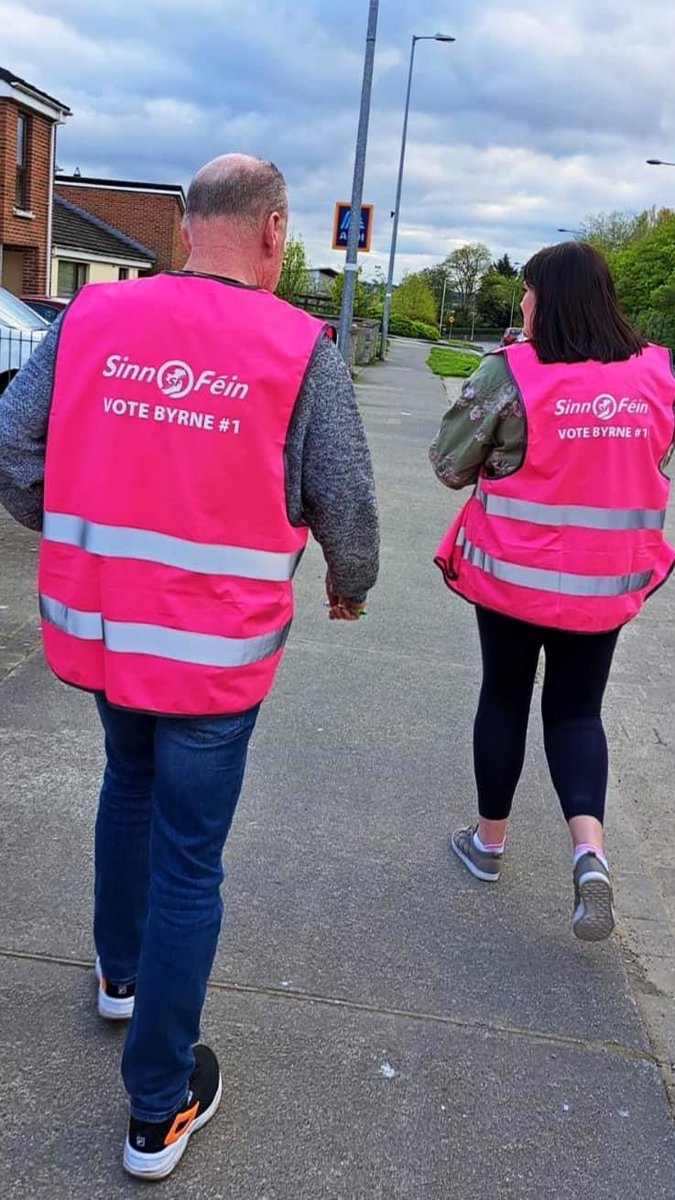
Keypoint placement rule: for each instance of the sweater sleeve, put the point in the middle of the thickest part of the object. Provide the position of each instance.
(24, 416)
(483, 428)
(329, 474)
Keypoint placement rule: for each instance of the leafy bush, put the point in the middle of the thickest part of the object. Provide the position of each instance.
(366, 298)
(452, 362)
(294, 278)
(405, 327)
(414, 299)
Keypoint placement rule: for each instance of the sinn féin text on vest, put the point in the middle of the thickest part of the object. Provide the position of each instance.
(603, 406)
(175, 378)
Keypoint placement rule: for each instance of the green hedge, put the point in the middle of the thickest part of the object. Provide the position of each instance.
(404, 327)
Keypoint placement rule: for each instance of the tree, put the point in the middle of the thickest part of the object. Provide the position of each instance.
(294, 278)
(366, 300)
(615, 230)
(498, 298)
(378, 284)
(459, 275)
(414, 298)
(436, 278)
(504, 266)
(644, 274)
(640, 252)
(466, 267)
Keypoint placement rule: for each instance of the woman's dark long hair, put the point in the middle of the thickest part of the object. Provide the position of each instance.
(577, 314)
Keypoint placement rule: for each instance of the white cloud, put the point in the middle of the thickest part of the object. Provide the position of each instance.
(535, 117)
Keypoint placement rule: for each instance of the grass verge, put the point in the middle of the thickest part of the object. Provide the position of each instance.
(452, 363)
(457, 344)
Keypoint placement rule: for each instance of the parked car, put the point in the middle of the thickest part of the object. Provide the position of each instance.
(20, 331)
(47, 307)
(511, 335)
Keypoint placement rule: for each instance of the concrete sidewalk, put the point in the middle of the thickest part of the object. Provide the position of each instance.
(388, 1028)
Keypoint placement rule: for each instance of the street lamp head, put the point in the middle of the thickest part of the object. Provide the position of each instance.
(654, 162)
(432, 37)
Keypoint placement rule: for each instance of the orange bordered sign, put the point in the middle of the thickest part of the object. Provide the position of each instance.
(341, 218)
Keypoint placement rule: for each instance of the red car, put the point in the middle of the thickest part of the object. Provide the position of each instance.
(47, 307)
(511, 335)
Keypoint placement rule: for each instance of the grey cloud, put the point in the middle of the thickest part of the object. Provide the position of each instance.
(535, 117)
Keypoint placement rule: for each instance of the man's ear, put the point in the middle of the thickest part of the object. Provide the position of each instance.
(185, 236)
(274, 233)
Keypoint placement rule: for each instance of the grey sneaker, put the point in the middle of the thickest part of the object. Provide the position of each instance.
(593, 917)
(484, 864)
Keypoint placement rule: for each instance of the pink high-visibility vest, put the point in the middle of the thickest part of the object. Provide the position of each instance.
(167, 554)
(574, 538)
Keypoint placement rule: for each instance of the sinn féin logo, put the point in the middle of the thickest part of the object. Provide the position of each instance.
(175, 378)
(604, 406)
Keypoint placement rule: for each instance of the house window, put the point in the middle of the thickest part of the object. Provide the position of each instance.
(71, 277)
(122, 273)
(22, 133)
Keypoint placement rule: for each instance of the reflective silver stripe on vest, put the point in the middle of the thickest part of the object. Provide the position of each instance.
(118, 541)
(85, 625)
(130, 637)
(583, 515)
(562, 582)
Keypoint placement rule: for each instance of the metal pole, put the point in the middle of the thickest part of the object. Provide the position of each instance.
(394, 232)
(349, 288)
(440, 323)
(513, 304)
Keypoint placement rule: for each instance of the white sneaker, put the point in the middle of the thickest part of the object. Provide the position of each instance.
(115, 1000)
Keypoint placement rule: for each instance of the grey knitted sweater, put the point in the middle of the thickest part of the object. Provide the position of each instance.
(329, 476)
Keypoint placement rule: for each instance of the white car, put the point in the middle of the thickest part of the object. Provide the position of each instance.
(20, 331)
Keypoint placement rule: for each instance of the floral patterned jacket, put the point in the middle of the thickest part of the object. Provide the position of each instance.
(485, 427)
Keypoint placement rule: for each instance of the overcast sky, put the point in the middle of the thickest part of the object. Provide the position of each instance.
(540, 114)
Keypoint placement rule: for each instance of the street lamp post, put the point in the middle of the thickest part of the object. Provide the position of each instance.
(576, 232)
(445, 285)
(515, 290)
(351, 256)
(433, 37)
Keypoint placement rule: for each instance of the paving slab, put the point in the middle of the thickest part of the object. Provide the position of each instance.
(331, 1104)
(340, 881)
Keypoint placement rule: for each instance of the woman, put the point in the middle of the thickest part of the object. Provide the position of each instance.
(565, 436)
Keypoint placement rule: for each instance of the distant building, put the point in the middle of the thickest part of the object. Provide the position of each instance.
(28, 123)
(149, 213)
(321, 280)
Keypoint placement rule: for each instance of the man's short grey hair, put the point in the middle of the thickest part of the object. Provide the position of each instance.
(244, 188)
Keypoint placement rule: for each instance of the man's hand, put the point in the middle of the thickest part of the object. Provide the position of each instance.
(342, 609)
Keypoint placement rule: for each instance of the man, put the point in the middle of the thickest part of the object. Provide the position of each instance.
(197, 426)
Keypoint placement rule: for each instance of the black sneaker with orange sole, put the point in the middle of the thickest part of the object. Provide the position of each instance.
(153, 1149)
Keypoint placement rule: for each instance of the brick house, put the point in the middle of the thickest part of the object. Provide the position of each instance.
(28, 124)
(89, 250)
(149, 213)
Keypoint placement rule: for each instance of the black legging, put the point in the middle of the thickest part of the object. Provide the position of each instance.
(577, 669)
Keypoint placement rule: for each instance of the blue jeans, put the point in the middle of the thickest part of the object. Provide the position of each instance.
(169, 793)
